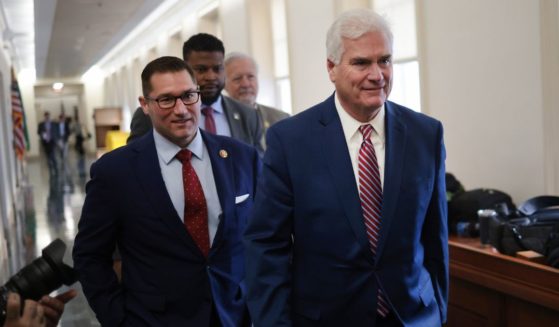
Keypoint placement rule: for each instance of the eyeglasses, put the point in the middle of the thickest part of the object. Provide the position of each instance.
(169, 101)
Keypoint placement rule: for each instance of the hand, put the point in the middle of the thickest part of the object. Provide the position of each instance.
(33, 314)
(54, 306)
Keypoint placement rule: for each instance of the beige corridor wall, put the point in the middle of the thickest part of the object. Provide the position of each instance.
(306, 31)
(482, 76)
(550, 70)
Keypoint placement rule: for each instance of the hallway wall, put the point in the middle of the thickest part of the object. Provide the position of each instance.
(10, 179)
(483, 75)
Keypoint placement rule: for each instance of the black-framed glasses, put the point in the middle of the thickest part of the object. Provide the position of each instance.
(169, 101)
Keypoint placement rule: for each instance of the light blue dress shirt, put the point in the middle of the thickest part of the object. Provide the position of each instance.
(171, 169)
(220, 118)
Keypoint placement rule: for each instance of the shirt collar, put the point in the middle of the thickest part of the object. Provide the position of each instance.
(216, 106)
(351, 125)
(167, 150)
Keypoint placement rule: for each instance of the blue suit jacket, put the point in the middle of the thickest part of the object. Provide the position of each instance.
(166, 280)
(309, 259)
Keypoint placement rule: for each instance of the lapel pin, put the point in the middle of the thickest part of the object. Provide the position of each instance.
(236, 116)
(223, 154)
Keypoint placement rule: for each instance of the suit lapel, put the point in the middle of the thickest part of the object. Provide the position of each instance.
(336, 155)
(148, 172)
(222, 170)
(265, 116)
(394, 159)
(233, 117)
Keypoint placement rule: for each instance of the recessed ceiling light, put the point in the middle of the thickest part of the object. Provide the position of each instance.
(57, 87)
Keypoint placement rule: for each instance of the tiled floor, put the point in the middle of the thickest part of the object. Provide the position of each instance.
(57, 203)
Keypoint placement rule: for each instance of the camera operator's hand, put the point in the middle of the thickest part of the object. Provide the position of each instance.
(54, 306)
(33, 313)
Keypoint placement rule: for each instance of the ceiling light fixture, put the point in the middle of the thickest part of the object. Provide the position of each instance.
(57, 87)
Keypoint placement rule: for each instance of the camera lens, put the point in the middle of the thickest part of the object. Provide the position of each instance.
(40, 277)
(485, 216)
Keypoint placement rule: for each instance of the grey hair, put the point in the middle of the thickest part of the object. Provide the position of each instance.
(352, 24)
(232, 56)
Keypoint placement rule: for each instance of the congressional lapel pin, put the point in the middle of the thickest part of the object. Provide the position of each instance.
(236, 116)
(223, 153)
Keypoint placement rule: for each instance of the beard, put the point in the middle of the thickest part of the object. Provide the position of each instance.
(209, 99)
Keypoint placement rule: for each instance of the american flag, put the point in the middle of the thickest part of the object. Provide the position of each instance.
(18, 117)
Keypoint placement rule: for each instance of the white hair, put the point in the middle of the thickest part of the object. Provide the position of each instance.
(352, 24)
(232, 56)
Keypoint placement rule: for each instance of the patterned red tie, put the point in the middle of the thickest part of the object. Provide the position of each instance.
(195, 207)
(209, 125)
(370, 193)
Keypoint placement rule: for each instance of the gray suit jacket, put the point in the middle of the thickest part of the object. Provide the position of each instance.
(268, 116)
(140, 125)
(243, 122)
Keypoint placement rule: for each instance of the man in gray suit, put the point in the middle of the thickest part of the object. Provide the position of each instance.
(139, 125)
(241, 83)
(221, 115)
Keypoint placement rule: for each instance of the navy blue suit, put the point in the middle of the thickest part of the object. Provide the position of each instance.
(166, 280)
(309, 261)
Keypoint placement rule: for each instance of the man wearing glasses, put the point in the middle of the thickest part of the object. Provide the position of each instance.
(221, 115)
(176, 202)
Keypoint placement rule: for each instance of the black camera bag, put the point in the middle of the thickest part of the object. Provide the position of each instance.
(527, 233)
(552, 248)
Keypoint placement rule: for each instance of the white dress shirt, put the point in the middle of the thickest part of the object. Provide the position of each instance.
(354, 138)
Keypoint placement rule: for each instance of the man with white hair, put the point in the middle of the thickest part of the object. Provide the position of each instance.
(241, 83)
(349, 224)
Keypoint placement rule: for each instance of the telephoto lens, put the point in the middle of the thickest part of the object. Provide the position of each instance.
(485, 216)
(42, 276)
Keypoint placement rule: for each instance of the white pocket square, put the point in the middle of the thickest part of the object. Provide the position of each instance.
(241, 198)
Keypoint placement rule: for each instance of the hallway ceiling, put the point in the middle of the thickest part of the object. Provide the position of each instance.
(70, 35)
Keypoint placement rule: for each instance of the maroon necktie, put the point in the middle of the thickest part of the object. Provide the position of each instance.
(370, 193)
(195, 207)
(209, 125)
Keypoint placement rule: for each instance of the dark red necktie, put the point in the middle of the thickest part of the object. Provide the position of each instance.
(209, 125)
(370, 193)
(195, 207)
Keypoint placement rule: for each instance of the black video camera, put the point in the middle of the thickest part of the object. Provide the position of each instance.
(42, 276)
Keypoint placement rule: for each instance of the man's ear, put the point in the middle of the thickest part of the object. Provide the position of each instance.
(143, 103)
(331, 66)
